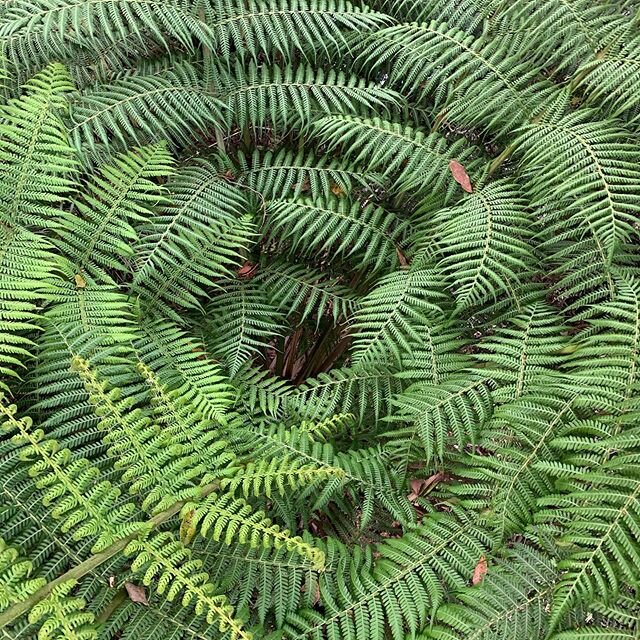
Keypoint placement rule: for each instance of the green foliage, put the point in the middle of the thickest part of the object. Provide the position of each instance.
(319, 319)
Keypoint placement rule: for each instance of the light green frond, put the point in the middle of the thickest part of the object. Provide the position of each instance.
(101, 234)
(37, 159)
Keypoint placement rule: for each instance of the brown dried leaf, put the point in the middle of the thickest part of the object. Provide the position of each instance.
(337, 190)
(420, 486)
(136, 593)
(247, 270)
(460, 175)
(480, 571)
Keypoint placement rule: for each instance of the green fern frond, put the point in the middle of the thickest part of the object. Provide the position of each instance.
(168, 566)
(305, 293)
(35, 30)
(86, 507)
(282, 27)
(472, 82)
(526, 352)
(194, 240)
(26, 272)
(484, 244)
(227, 518)
(586, 168)
(417, 160)
(100, 235)
(65, 617)
(145, 108)
(363, 390)
(393, 316)
(450, 413)
(37, 159)
(291, 97)
(404, 587)
(15, 583)
(242, 322)
(285, 174)
(512, 599)
(337, 227)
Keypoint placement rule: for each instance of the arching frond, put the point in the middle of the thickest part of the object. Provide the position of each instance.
(145, 108)
(393, 316)
(290, 97)
(336, 227)
(100, 235)
(484, 244)
(194, 240)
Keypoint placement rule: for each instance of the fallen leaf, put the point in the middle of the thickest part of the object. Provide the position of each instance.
(460, 175)
(421, 486)
(337, 190)
(81, 283)
(247, 270)
(136, 593)
(480, 571)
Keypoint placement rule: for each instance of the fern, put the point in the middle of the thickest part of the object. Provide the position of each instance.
(326, 318)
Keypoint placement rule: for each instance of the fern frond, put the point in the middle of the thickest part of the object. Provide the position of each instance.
(363, 390)
(26, 272)
(404, 587)
(282, 27)
(484, 244)
(86, 507)
(242, 323)
(418, 161)
(453, 411)
(36, 30)
(168, 566)
(141, 108)
(194, 240)
(15, 583)
(526, 352)
(184, 367)
(392, 316)
(597, 505)
(100, 235)
(227, 518)
(37, 159)
(586, 168)
(65, 617)
(291, 97)
(285, 174)
(511, 602)
(303, 292)
(482, 82)
(337, 227)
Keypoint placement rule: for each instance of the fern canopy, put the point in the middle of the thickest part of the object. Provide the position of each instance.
(319, 320)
